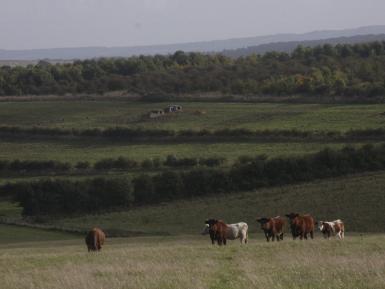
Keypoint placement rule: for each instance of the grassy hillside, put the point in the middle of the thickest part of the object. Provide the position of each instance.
(191, 262)
(102, 114)
(90, 150)
(358, 199)
(14, 234)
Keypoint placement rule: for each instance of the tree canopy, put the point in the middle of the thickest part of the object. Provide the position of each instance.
(341, 70)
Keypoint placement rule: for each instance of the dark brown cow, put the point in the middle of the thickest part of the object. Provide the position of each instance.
(272, 227)
(301, 225)
(95, 239)
(217, 230)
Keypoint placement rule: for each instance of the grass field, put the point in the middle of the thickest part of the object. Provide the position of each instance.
(14, 234)
(191, 262)
(357, 199)
(174, 254)
(75, 150)
(102, 114)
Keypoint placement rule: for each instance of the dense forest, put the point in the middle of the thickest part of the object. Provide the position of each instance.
(341, 70)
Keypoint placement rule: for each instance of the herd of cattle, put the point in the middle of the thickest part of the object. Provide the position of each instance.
(300, 226)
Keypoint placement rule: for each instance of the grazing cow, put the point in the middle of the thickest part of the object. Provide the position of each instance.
(272, 227)
(95, 239)
(336, 228)
(301, 225)
(221, 232)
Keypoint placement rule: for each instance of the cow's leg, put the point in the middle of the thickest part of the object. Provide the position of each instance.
(312, 234)
(224, 241)
(281, 236)
(267, 237)
(294, 234)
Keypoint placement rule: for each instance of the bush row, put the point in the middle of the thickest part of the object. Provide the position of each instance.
(63, 196)
(120, 163)
(138, 133)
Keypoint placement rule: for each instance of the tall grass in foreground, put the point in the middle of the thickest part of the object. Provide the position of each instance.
(185, 262)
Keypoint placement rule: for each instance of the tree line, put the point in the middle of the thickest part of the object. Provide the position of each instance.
(132, 134)
(324, 70)
(106, 164)
(57, 196)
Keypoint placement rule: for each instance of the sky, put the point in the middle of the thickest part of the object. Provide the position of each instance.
(27, 24)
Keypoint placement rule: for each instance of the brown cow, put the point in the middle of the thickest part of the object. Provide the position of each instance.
(301, 225)
(272, 227)
(95, 239)
(218, 230)
(336, 227)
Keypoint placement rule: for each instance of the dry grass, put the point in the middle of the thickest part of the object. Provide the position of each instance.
(191, 262)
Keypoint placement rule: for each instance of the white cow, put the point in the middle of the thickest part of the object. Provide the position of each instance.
(234, 231)
(336, 227)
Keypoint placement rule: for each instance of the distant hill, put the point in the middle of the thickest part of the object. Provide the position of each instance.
(291, 45)
(208, 46)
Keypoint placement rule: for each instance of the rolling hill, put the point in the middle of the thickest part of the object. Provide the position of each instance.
(207, 46)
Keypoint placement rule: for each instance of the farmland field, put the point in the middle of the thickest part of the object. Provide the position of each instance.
(196, 115)
(104, 114)
(90, 150)
(358, 199)
(175, 255)
(192, 262)
(168, 250)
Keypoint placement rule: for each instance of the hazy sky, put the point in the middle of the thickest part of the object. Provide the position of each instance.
(68, 23)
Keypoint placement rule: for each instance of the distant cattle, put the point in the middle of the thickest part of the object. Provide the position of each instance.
(221, 232)
(272, 227)
(95, 239)
(301, 225)
(335, 228)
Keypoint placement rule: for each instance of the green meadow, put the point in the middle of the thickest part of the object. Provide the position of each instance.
(196, 115)
(192, 262)
(168, 250)
(357, 199)
(79, 149)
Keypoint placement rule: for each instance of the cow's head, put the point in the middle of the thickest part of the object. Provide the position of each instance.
(211, 222)
(264, 223)
(321, 226)
(206, 230)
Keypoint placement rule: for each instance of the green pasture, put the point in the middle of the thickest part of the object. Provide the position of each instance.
(359, 200)
(74, 150)
(196, 115)
(192, 262)
(17, 234)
